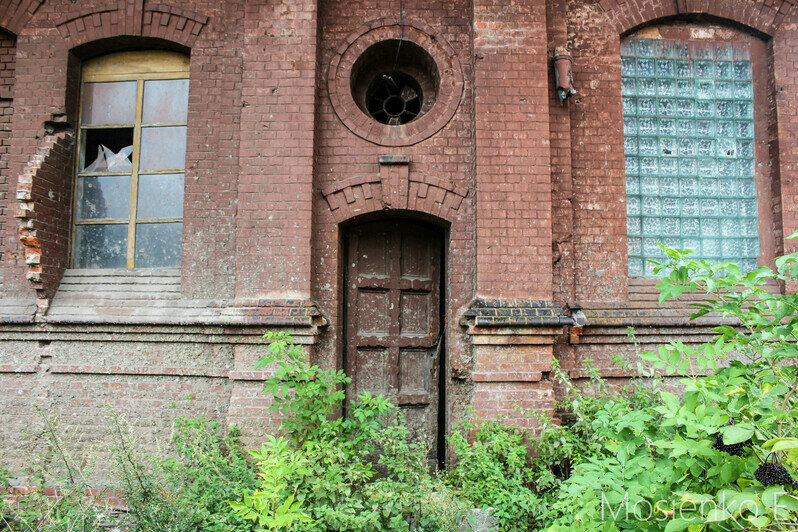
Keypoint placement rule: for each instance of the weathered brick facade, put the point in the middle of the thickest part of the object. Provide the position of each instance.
(282, 160)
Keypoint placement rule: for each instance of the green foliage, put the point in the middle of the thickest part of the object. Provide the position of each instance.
(688, 462)
(329, 472)
(492, 470)
(188, 491)
(694, 444)
(274, 503)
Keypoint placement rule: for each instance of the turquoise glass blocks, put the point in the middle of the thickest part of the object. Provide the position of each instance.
(689, 150)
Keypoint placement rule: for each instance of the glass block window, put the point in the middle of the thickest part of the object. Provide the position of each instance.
(131, 161)
(689, 148)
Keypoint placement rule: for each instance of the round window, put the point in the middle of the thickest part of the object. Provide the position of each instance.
(394, 91)
(394, 98)
(394, 81)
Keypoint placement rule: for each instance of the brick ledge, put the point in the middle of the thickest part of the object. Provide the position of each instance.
(515, 313)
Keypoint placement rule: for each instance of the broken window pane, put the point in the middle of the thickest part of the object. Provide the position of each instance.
(103, 198)
(162, 148)
(107, 150)
(109, 103)
(160, 196)
(100, 246)
(165, 101)
(158, 245)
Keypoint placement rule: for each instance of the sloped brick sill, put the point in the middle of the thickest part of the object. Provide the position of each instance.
(153, 297)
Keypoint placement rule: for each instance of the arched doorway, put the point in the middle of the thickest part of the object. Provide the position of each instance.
(394, 321)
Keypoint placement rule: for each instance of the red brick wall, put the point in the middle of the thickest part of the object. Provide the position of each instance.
(785, 78)
(273, 219)
(599, 185)
(512, 166)
(50, 197)
(562, 215)
(613, 301)
(212, 154)
(541, 187)
(7, 57)
(43, 73)
(214, 122)
(216, 35)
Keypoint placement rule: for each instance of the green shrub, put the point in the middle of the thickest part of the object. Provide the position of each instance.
(329, 472)
(189, 491)
(721, 455)
(492, 471)
(695, 461)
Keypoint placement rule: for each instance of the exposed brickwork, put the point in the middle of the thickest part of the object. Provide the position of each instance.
(443, 163)
(212, 153)
(562, 215)
(513, 401)
(14, 14)
(273, 219)
(597, 162)
(762, 15)
(784, 47)
(447, 98)
(611, 301)
(130, 17)
(394, 190)
(44, 192)
(42, 102)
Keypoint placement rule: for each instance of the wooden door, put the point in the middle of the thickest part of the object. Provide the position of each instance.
(393, 320)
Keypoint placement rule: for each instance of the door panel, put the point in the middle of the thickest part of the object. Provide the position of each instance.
(393, 304)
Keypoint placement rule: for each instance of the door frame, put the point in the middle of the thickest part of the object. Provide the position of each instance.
(442, 229)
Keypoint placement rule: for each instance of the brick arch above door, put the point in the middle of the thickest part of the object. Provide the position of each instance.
(394, 188)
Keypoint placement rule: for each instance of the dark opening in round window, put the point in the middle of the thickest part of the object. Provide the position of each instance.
(394, 98)
(394, 83)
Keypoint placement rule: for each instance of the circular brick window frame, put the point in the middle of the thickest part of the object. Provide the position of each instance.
(447, 99)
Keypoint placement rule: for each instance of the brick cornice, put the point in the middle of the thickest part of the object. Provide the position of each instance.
(765, 17)
(131, 17)
(15, 14)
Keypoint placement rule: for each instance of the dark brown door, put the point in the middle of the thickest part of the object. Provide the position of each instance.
(393, 320)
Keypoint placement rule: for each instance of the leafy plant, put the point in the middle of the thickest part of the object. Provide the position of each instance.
(328, 472)
(274, 503)
(710, 459)
(492, 470)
